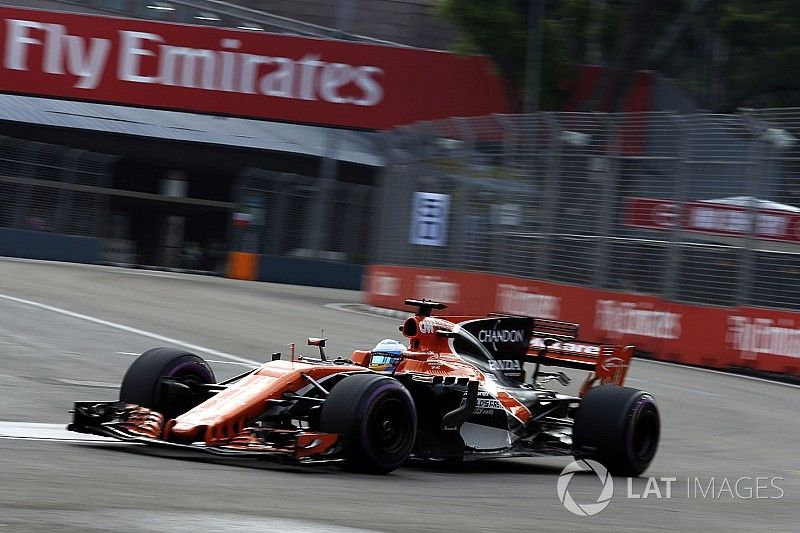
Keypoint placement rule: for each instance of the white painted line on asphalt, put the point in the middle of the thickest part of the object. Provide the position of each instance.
(127, 353)
(348, 309)
(684, 389)
(96, 384)
(128, 329)
(46, 432)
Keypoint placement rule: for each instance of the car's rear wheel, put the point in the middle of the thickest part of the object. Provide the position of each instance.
(144, 385)
(619, 427)
(376, 417)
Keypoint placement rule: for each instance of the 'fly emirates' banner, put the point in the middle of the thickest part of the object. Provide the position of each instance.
(240, 73)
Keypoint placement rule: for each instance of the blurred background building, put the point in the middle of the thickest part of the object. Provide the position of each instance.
(645, 188)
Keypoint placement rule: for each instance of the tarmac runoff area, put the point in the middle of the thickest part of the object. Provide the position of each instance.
(68, 332)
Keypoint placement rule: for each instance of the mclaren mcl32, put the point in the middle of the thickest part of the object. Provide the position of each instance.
(457, 391)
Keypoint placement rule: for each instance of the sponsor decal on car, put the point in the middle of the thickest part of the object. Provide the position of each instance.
(432, 325)
(572, 347)
(486, 404)
(504, 364)
(613, 363)
(494, 336)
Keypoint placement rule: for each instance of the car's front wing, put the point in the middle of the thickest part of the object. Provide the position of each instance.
(131, 423)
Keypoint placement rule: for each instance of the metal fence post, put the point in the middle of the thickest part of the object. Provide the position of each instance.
(379, 238)
(320, 214)
(502, 242)
(63, 208)
(459, 210)
(674, 255)
(22, 204)
(102, 201)
(756, 162)
(551, 196)
(607, 198)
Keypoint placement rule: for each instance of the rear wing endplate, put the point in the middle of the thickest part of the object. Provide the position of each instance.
(607, 364)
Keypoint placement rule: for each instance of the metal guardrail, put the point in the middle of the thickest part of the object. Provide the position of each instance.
(696, 208)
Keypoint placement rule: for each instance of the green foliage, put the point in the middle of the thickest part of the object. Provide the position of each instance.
(763, 37)
(733, 53)
(494, 28)
(499, 28)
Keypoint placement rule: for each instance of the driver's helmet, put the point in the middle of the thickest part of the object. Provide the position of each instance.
(386, 355)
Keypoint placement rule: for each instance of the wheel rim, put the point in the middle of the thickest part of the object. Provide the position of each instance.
(186, 372)
(645, 434)
(390, 426)
(191, 371)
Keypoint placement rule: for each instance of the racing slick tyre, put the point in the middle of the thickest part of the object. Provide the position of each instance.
(142, 382)
(377, 419)
(619, 427)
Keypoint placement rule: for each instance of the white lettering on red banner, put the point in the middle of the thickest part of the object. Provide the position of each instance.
(753, 336)
(216, 70)
(515, 299)
(86, 60)
(223, 69)
(434, 288)
(384, 285)
(713, 218)
(625, 318)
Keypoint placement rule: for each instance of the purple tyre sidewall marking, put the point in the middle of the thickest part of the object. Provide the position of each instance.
(198, 369)
(374, 395)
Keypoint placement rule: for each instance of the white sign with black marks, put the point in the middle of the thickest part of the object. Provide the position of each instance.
(429, 219)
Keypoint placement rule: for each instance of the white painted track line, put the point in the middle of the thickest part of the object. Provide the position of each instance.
(45, 432)
(128, 329)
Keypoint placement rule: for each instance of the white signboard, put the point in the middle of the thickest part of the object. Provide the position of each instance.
(429, 219)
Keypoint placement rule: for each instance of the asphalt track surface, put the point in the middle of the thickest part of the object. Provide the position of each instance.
(715, 426)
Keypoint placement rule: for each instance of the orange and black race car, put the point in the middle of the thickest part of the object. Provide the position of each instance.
(458, 391)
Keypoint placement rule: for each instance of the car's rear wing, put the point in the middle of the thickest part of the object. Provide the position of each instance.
(551, 343)
(607, 363)
(554, 343)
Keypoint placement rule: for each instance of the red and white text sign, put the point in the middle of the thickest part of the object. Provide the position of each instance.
(713, 218)
(240, 73)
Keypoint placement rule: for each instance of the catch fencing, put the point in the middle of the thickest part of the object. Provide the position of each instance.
(50, 188)
(55, 190)
(698, 209)
(302, 216)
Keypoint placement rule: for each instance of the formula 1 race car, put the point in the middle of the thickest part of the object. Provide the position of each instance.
(457, 392)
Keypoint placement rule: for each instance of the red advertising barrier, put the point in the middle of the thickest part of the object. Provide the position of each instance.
(712, 218)
(714, 337)
(242, 73)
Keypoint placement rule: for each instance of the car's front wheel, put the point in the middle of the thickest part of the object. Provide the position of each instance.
(376, 417)
(144, 382)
